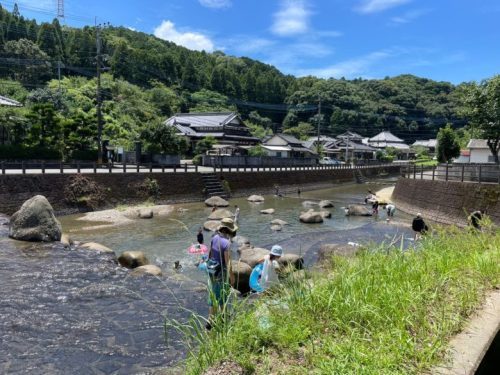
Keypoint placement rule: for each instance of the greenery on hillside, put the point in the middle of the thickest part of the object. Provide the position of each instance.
(150, 79)
(385, 311)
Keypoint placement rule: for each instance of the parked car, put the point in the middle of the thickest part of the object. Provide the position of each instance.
(329, 161)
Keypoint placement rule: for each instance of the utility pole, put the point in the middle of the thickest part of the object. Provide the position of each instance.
(319, 123)
(347, 149)
(98, 93)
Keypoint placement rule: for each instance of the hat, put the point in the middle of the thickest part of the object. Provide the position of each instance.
(228, 224)
(277, 250)
(419, 215)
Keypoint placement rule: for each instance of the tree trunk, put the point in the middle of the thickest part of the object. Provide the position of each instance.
(494, 145)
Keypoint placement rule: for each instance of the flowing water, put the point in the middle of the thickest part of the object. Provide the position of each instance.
(74, 311)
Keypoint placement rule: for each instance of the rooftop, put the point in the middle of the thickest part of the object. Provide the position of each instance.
(385, 136)
(9, 102)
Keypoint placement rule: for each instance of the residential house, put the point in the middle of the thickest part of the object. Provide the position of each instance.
(351, 136)
(386, 139)
(479, 151)
(226, 127)
(429, 144)
(6, 102)
(312, 142)
(286, 146)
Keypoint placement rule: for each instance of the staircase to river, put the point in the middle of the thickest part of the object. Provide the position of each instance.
(213, 185)
(360, 179)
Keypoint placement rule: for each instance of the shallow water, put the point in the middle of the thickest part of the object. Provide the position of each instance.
(76, 311)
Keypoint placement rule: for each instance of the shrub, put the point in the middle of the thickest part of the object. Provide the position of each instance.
(19, 152)
(197, 159)
(84, 191)
(90, 155)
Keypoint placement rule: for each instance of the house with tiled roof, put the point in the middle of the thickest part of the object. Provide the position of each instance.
(479, 152)
(226, 127)
(386, 139)
(429, 144)
(286, 146)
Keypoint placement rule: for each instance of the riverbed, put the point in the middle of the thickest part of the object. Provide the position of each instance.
(75, 311)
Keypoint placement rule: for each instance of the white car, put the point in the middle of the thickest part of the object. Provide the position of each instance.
(328, 160)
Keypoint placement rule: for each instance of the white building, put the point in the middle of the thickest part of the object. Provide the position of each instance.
(286, 146)
(386, 139)
(479, 151)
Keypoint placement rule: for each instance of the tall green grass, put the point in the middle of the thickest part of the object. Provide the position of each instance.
(385, 311)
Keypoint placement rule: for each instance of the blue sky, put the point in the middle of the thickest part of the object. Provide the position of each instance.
(449, 40)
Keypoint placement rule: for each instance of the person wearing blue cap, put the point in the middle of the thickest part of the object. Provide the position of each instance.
(264, 273)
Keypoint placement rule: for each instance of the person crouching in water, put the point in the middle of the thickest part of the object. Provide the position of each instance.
(219, 268)
(419, 226)
(390, 209)
(265, 273)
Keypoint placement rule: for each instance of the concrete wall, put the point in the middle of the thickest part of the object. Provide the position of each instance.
(447, 202)
(123, 188)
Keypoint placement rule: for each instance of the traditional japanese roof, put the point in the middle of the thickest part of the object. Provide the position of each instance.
(9, 102)
(202, 119)
(426, 143)
(351, 135)
(385, 136)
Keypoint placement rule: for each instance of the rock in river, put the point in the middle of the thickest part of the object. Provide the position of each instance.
(133, 259)
(145, 213)
(216, 202)
(327, 251)
(325, 204)
(66, 240)
(255, 198)
(292, 260)
(311, 217)
(148, 269)
(252, 255)
(279, 222)
(276, 228)
(220, 214)
(241, 272)
(35, 221)
(241, 241)
(359, 210)
(326, 214)
(268, 211)
(96, 247)
(211, 225)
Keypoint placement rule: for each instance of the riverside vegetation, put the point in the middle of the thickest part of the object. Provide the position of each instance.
(384, 311)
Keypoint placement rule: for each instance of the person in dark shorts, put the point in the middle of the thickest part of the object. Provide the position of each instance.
(199, 236)
(419, 226)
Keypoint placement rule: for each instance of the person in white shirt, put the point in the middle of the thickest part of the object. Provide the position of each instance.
(236, 213)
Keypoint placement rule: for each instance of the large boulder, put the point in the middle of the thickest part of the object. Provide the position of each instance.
(35, 221)
(267, 211)
(358, 210)
(220, 214)
(255, 198)
(133, 259)
(311, 217)
(326, 214)
(309, 203)
(211, 225)
(292, 260)
(94, 246)
(325, 204)
(241, 272)
(279, 222)
(252, 255)
(326, 251)
(241, 241)
(216, 202)
(148, 269)
(145, 213)
(276, 228)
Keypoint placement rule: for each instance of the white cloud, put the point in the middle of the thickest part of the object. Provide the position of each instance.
(291, 19)
(216, 3)
(409, 16)
(352, 68)
(373, 6)
(189, 39)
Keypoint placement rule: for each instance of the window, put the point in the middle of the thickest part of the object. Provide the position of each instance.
(278, 154)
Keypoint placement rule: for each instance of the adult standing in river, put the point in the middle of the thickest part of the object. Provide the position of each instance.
(219, 269)
(236, 214)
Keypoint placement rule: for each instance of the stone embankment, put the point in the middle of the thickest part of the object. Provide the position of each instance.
(447, 202)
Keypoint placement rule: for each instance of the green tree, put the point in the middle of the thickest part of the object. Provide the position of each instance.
(165, 139)
(36, 64)
(45, 126)
(257, 151)
(447, 144)
(301, 131)
(204, 145)
(481, 106)
(80, 132)
(258, 130)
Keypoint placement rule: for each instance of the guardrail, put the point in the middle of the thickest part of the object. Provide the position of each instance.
(62, 168)
(476, 173)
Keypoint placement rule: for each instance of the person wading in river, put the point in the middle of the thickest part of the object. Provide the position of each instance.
(419, 226)
(219, 269)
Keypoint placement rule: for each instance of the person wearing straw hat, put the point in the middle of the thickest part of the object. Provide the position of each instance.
(219, 267)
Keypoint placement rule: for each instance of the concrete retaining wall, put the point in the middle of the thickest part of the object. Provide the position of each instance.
(447, 202)
(174, 187)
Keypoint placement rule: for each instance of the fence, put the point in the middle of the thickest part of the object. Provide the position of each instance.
(478, 173)
(61, 168)
(255, 161)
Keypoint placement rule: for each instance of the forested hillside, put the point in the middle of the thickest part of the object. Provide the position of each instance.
(149, 79)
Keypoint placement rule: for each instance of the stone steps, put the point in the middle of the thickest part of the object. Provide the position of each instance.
(213, 186)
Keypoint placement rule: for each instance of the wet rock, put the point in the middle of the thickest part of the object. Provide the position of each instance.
(276, 228)
(94, 246)
(148, 269)
(35, 221)
(326, 214)
(309, 203)
(252, 255)
(292, 260)
(241, 241)
(66, 240)
(211, 225)
(325, 204)
(255, 198)
(216, 202)
(145, 213)
(279, 222)
(311, 217)
(241, 272)
(268, 211)
(326, 251)
(220, 214)
(133, 259)
(359, 210)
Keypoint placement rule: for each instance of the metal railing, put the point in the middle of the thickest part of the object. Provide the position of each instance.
(477, 173)
(9, 168)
